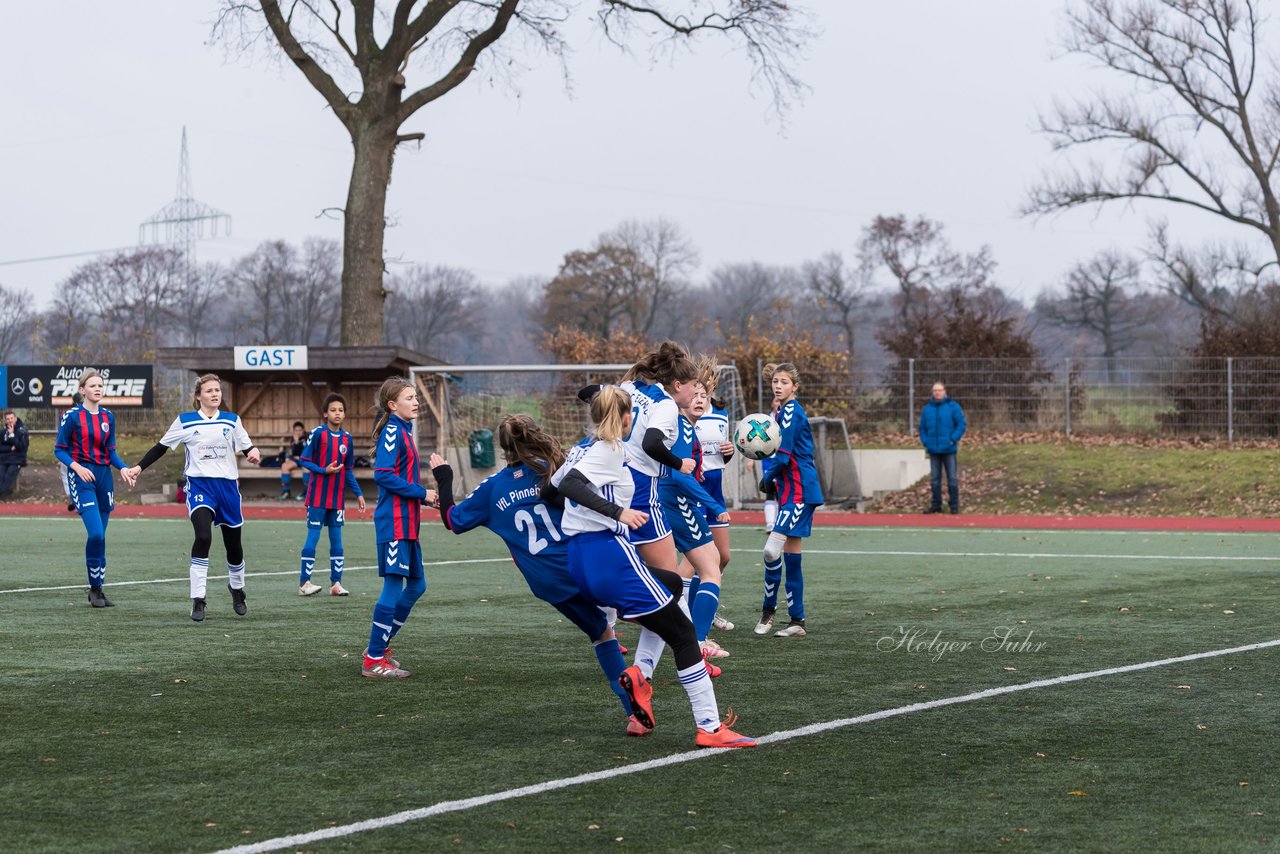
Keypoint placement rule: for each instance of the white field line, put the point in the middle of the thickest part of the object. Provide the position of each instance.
(115, 584)
(1081, 555)
(689, 756)
(744, 530)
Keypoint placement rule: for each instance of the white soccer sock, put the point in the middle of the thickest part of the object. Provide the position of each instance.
(702, 696)
(648, 652)
(770, 513)
(235, 576)
(684, 597)
(610, 615)
(199, 576)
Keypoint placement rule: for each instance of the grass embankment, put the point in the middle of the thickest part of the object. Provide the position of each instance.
(1096, 477)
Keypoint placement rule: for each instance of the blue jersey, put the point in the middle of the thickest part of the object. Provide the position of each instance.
(398, 515)
(677, 483)
(507, 503)
(87, 438)
(794, 472)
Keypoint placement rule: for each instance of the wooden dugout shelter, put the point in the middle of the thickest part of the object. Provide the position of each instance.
(269, 401)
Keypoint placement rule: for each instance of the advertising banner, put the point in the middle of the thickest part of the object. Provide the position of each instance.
(36, 386)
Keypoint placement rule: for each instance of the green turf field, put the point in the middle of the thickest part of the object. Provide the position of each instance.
(134, 729)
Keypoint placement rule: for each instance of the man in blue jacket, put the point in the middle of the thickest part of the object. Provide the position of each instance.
(941, 427)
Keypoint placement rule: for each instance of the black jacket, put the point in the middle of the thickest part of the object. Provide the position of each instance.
(13, 446)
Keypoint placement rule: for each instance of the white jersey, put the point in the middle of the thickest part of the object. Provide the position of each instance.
(712, 429)
(651, 406)
(211, 443)
(605, 465)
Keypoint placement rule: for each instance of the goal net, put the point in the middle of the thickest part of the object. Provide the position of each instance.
(463, 403)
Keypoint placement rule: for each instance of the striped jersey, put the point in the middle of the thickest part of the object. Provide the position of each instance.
(798, 479)
(651, 406)
(211, 443)
(323, 448)
(398, 515)
(712, 429)
(508, 504)
(88, 438)
(605, 465)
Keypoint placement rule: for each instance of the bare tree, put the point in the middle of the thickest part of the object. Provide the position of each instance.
(1197, 124)
(16, 317)
(288, 298)
(840, 293)
(121, 306)
(357, 55)
(670, 258)
(1103, 297)
(434, 310)
(919, 260)
(194, 322)
(738, 292)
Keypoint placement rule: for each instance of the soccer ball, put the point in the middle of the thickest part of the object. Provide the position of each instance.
(757, 436)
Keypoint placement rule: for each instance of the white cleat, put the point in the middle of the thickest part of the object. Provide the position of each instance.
(338, 590)
(793, 629)
(719, 622)
(309, 589)
(765, 625)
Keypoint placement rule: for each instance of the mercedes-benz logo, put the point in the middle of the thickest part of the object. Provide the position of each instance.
(18, 385)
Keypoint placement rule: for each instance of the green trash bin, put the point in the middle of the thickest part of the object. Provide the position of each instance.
(481, 445)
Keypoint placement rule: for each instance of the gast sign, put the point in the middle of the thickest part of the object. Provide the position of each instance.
(271, 357)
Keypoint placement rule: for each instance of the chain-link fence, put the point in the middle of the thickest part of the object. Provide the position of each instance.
(1226, 398)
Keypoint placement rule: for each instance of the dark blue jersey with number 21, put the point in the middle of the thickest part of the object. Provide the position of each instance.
(507, 503)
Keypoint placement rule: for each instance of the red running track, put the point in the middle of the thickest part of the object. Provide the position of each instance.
(277, 510)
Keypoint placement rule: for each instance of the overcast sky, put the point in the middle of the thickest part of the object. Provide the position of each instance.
(921, 107)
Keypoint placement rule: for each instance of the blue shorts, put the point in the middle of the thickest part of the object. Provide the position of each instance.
(646, 499)
(98, 495)
(400, 557)
(713, 483)
(794, 520)
(219, 494)
(584, 615)
(319, 517)
(688, 522)
(609, 572)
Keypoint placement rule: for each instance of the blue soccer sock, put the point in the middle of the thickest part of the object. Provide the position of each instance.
(384, 612)
(284, 482)
(772, 578)
(693, 590)
(413, 590)
(95, 546)
(795, 586)
(336, 555)
(309, 555)
(609, 654)
(704, 608)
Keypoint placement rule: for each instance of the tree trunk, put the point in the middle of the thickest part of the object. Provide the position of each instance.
(363, 296)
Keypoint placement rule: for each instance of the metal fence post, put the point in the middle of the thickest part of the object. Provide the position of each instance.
(911, 397)
(1230, 404)
(1067, 395)
(760, 385)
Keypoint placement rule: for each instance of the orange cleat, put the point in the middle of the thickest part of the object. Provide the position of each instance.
(723, 736)
(640, 692)
(713, 670)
